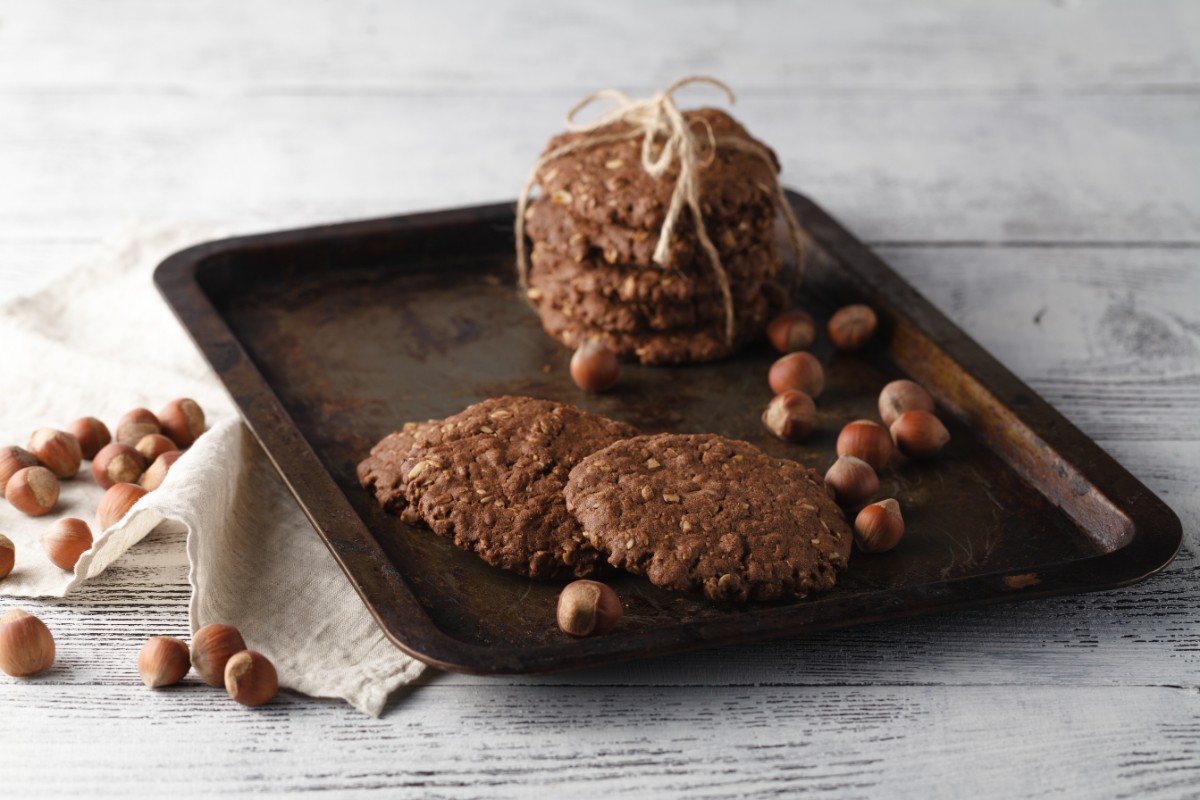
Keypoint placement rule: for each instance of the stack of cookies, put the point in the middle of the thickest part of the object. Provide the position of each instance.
(595, 225)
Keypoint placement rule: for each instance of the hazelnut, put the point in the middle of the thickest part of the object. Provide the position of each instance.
(850, 328)
(156, 473)
(588, 608)
(135, 424)
(800, 372)
(116, 503)
(12, 460)
(879, 527)
(212, 646)
(91, 433)
(8, 556)
(66, 541)
(26, 645)
(853, 480)
(117, 463)
(792, 331)
(594, 366)
(867, 440)
(919, 434)
(900, 396)
(250, 678)
(153, 446)
(791, 416)
(57, 450)
(163, 661)
(182, 420)
(33, 491)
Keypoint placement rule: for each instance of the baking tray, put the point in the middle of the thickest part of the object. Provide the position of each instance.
(330, 337)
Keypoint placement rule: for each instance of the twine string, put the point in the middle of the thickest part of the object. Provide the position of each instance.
(666, 137)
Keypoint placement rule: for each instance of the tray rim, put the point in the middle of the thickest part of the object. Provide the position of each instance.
(1156, 539)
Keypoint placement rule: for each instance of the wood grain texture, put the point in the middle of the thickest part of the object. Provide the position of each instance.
(1090, 168)
(529, 47)
(1028, 166)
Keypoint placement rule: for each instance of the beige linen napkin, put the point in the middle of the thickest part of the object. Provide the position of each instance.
(100, 341)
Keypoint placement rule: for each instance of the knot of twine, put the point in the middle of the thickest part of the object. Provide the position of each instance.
(653, 119)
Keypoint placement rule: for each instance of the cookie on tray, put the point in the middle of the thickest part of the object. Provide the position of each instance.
(553, 226)
(491, 478)
(702, 513)
(380, 474)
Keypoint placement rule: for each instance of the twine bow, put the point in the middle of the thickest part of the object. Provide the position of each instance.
(657, 119)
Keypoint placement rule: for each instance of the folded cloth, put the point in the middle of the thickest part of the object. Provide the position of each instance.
(100, 341)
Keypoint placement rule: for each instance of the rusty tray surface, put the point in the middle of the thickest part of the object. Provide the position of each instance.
(330, 337)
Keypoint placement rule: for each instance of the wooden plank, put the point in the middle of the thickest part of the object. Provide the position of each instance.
(529, 47)
(458, 742)
(894, 169)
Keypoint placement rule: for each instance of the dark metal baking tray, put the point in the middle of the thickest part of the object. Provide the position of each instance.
(330, 337)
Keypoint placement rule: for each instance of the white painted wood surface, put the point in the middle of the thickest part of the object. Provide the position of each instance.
(1032, 167)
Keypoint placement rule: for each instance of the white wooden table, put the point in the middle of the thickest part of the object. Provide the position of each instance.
(1032, 167)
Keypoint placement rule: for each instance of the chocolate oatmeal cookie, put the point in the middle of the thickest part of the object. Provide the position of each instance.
(702, 513)
(491, 478)
(380, 474)
(554, 227)
(607, 184)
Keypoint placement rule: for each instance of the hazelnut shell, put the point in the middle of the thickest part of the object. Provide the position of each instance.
(8, 556)
(154, 445)
(919, 434)
(879, 527)
(588, 608)
(900, 396)
(156, 473)
(867, 440)
(13, 459)
(851, 327)
(116, 503)
(791, 416)
(58, 451)
(800, 372)
(135, 424)
(853, 480)
(26, 644)
(91, 433)
(65, 541)
(182, 420)
(792, 331)
(212, 647)
(250, 678)
(594, 367)
(32, 491)
(163, 661)
(117, 463)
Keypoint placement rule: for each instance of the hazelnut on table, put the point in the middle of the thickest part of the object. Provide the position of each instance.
(212, 647)
(163, 661)
(250, 678)
(26, 644)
